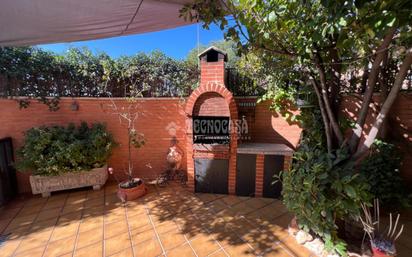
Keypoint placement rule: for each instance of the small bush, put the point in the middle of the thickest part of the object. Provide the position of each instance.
(320, 190)
(381, 169)
(49, 151)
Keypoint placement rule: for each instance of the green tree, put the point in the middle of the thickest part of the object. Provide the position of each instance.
(46, 76)
(328, 48)
(321, 41)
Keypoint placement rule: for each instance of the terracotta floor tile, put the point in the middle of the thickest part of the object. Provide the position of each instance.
(260, 222)
(37, 200)
(138, 221)
(277, 251)
(110, 189)
(89, 237)
(142, 236)
(26, 245)
(64, 231)
(228, 239)
(4, 223)
(124, 253)
(114, 217)
(43, 225)
(231, 200)
(91, 223)
(48, 214)
(242, 208)
(136, 210)
(206, 197)
(72, 217)
(22, 221)
(9, 247)
(16, 231)
(69, 208)
(51, 204)
(256, 203)
(94, 202)
(204, 245)
(95, 194)
(293, 247)
(115, 228)
(94, 250)
(183, 250)
(192, 229)
(149, 248)
(60, 247)
(36, 252)
(217, 205)
(166, 226)
(6, 213)
(239, 250)
(30, 210)
(172, 239)
(77, 199)
(219, 253)
(117, 243)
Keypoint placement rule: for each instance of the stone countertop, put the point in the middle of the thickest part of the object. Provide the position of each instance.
(265, 148)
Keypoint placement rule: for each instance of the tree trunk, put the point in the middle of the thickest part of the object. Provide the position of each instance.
(373, 77)
(324, 117)
(335, 81)
(400, 77)
(331, 117)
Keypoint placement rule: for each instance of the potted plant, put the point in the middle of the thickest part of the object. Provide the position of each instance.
(131, 188)
(382, 242)
(66, 157)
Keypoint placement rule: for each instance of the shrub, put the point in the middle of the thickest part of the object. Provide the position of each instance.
(381, 169)
(49, 151)
(320, 190)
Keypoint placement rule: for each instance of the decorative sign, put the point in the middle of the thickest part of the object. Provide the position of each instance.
(211, 130)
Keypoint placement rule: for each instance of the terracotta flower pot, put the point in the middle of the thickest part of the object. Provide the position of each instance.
(132, 193)
(378, 253)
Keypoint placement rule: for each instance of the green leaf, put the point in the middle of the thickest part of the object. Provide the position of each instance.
(342, 21)
(350, 191)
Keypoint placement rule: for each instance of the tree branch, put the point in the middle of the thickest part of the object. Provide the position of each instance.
(400, 77)
(331, 116)
(324, 116)
(372, 78)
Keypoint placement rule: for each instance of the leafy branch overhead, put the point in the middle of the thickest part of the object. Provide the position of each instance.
(330, 46)
(328, 49)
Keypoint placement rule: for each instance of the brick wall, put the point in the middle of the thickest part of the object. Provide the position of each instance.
(398, 129)
(266, 126)
(211, 104)
(160, 120)
(260, 159)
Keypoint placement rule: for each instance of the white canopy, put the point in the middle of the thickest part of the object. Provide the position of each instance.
(31, 22)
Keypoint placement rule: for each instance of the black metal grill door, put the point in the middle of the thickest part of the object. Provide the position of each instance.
(211, 176)
(246, 174)
(273, 164)
(8, 181)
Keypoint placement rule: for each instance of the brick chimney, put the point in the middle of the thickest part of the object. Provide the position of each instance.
(212, 65)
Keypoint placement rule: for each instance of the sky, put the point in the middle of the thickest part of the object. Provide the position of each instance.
(175, 43)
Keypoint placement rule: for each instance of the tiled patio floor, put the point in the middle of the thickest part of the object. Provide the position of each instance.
(166, 222)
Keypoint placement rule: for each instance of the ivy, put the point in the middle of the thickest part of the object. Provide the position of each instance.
(31, 72)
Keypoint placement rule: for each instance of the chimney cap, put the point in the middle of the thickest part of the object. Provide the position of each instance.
(213, 48)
